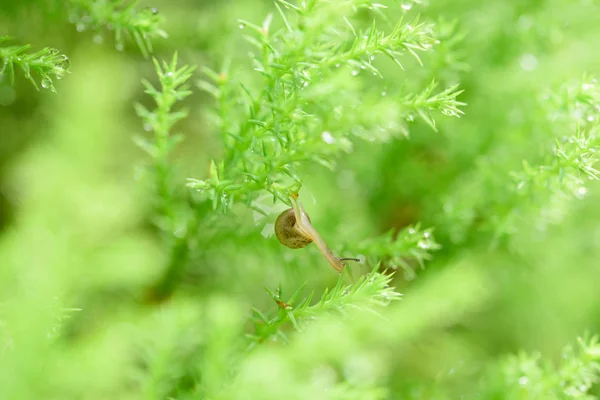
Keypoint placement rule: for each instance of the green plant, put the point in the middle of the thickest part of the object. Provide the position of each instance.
(306, 110)
(122, 16)
(112, 267)
(47, 64)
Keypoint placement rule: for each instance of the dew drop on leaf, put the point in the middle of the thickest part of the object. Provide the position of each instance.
(327, 137)
(528, 62)
(523, 380)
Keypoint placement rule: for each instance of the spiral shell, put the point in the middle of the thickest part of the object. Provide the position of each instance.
(287, 233)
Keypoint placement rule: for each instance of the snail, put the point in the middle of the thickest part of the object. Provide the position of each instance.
(294, 230)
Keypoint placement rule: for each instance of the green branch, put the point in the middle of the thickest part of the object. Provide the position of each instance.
(173, 88)
(307, 109)
(121, 16)
(369, 293)
(46, 64)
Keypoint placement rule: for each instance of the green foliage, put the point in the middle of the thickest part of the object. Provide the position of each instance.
(549, 179)
(112, 268)
(527, 376)
(160, 121)
(406, 249)
(308, 110)
(369, 292)
(46, 64)
(172, 215)
(124, 17)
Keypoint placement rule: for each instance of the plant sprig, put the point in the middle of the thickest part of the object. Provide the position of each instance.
(171, 213)
(407, 249)
(121, 16)
(43, 65)
(530, 377)
(368, 293)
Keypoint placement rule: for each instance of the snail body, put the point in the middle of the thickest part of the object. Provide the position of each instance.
(294, 230)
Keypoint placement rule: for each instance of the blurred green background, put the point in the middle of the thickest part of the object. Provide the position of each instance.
(76, 228)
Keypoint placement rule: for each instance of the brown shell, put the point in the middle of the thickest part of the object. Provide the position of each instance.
(286, 232)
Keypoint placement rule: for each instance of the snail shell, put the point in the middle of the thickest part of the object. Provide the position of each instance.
(287, 231)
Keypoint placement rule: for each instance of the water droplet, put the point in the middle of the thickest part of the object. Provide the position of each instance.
(46, 83)
(591, 118)
(586, 86)
(372, 58)
(581, 192)
(147, 127)
(327, 137)
(119, 46)
(528, 62)
(337, 65)
(426, 234)
(354, 72)
(406, 6)
(523, 380)
(170, 74)
(154, 10)
(383, 94)
(242, 25)
(305, 84)
(98, 39)
(80, 27)
(411, 231)
(525, 22)
(423, 244)
(362, 67)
